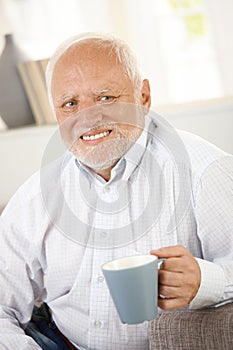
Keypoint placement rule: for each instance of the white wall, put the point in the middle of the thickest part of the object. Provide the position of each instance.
(212, 120)
(21, 150)
(221, 17)
(21, 153)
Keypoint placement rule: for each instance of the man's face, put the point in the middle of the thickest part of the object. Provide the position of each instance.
(95, 106)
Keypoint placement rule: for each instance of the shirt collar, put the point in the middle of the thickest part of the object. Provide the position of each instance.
(133, 156)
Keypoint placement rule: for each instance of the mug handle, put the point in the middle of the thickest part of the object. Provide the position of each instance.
(160, 261)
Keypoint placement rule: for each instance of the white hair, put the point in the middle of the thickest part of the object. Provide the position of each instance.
(116, 46)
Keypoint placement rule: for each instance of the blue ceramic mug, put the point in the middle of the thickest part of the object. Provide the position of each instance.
(133, 285)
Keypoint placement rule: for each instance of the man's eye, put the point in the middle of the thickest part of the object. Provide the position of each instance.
(107, 99)
(69, 104)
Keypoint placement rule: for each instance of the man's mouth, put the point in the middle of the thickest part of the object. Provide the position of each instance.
(95, 136)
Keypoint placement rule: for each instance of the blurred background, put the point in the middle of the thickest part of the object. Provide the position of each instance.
(184, 47)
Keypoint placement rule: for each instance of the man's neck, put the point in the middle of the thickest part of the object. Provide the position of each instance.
(106, 173)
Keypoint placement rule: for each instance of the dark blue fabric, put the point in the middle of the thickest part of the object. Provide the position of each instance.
(43, 330)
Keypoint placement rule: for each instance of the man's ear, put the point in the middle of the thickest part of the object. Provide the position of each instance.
(145, 94)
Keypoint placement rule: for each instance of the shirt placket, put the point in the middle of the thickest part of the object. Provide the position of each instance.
(99, 295)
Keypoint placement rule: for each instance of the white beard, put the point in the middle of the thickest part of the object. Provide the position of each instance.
(106, 154)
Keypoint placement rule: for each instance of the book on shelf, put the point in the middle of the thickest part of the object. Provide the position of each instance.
(32, 73)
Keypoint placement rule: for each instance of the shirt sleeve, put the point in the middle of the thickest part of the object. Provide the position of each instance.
(214, 216)
(21, 284)
(212, 285)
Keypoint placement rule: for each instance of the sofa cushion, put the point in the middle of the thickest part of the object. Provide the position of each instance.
(210, 329)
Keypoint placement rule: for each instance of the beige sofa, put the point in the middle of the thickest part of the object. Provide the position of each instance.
(206, 329)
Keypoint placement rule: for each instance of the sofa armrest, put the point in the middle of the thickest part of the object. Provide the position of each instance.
(206, 329)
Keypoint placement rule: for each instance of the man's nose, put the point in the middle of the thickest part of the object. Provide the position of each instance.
(89, 114)
(86, 103)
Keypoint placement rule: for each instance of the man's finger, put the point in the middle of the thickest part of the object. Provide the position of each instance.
(170, 278)
(171, 303)
(170, 252)
(170, 292)
(175, 264)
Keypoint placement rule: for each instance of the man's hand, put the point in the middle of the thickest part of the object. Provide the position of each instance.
(179, 277)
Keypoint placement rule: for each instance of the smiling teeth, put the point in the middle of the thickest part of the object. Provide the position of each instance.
(96, 136)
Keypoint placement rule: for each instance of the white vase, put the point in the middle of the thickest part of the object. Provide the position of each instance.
(14, 106)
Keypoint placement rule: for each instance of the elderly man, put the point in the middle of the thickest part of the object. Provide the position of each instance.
(127, 183)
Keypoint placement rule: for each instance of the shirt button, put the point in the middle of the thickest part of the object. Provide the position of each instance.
(106, 189)
(100, 279)
(98, 324)
(103, 234)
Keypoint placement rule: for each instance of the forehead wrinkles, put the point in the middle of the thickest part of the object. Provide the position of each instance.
(85, 62)
(80, 60)
(91, 52)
